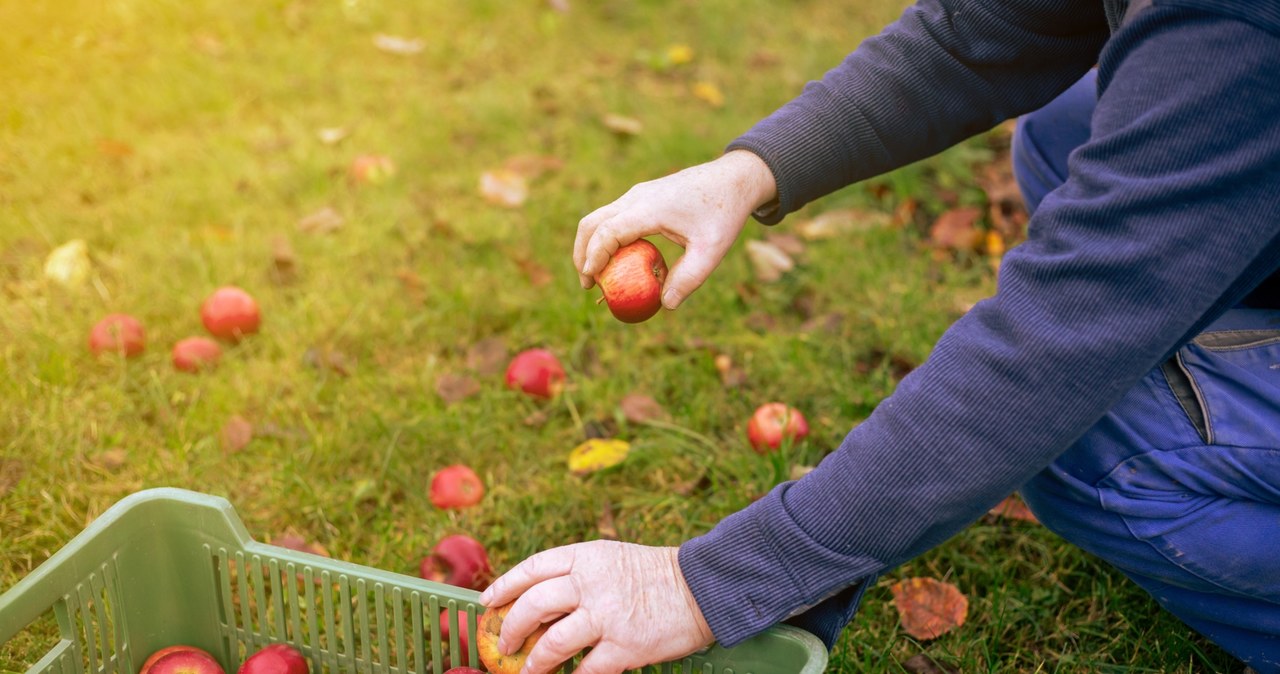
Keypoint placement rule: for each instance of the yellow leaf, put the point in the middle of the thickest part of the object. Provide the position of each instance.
(708, 93)
(504, 187)
(597, 454)
(68, 264)
(679, 54)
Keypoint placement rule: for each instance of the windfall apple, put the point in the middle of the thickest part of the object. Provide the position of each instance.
(117, 333)
(458, 560)
(775, 423)
(537, 372)
(230, 313)
(632, 281)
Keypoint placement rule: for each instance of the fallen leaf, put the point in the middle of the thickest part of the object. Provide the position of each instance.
(993, 244)
(537, 274)
(488, 356)
(284, 262)
(829, 322)
(401, 46)
(731, 376)
(532, 166)
(923, 664)
(622, 125)
(692, 486)
(597, 454)
(324, 358)
(68, 264)
(957, 229)
(111, 459)
(599, 429)
(708, 93)
(292, 541)
(832, 224)
(323, 221)
(537, 419)
(11, 471)
(904, 213)
(638, 408)
(332, 135)
(453, 388)
(679, 54)
(787, 243)
(763, 58)
(1014, 508)
(236, 434)
(929, 608)
(761, 322)
(605, 525)
(503, 187)
(769, 261)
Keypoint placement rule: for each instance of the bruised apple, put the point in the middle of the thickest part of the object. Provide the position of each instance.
(774, 423)
(230, 313)
(117, 333)
(194, 354)
(275, 659)
(487, 643)
(458, 560)
(632, 281)
(537, 372)
(181, 660)
(455, 486)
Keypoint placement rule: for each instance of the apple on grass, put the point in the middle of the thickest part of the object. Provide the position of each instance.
(372, 169)
(458, 560)
(275, 659)
(194, 354)
(230, 313)
(455, 486)
(774, 423)
(632, 281)
(181, 660)
(537, 372)
(117, 333)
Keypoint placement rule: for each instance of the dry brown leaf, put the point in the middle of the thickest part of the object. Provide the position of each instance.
(326, 358)
(842, 221)
(488, 356)
(292, 541)
(929, 608)
(787, 243)
(537, 274)
(111, 459)
(708, 93)
(1014, 508)
(768, 260)
(532, 166)
(923, 664)
(606, 525)
(453, 388)
(622, 125)
(284, 262)
(957, 229)
(504, 187)
(401, 46)
(236, 434)
(537, 419)
(638, 408)
(322, 221)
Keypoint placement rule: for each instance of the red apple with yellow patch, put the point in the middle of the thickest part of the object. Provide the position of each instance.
(632, 281)
(775, 423)
(537, 372)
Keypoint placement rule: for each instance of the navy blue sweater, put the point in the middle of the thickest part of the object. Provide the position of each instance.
(1170, 216)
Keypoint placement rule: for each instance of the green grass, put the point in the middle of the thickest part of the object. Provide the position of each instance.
(219, 105)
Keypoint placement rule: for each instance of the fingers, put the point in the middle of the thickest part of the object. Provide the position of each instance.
(562, 641)
(537, 568)
(586, 227)
(604, 659)
(543, 603)
(688, 274)
(611, 235)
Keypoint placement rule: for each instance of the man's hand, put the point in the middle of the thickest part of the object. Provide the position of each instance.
(702, 209)
(630, 603)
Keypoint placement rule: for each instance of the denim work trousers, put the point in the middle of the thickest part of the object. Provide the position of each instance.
(1178, 485)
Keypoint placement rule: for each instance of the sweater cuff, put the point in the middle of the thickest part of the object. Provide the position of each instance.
(758, 567)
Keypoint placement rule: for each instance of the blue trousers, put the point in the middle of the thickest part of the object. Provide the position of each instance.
(1178, 485)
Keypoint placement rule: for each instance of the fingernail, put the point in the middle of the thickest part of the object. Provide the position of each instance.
(588, 269)
(484, 597)
(671, 300)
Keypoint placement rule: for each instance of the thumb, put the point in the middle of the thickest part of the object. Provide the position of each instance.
(688, 274)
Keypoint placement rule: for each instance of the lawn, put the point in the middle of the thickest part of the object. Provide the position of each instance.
(186, 142)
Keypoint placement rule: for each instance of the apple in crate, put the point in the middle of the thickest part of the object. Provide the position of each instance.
(275, 659)
(463, 636)
(181, 660)
(196, 353)
(537, 372)
(464, 670)
(632, 281)
(230, 313)
(117, 333)
(455, 486)
(774, 423)
(458, 560)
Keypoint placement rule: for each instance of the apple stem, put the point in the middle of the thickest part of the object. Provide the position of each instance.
(600, 299)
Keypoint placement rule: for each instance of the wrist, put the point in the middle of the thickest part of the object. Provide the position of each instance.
(752, 178)
(700, 621)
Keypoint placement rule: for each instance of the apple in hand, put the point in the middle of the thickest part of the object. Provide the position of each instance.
(774, 423)
(230, 313)
(632, 281)
(181, 660)
(275, 659)
(537, 372)
(456, 486)
(487, 643)
(117, 333)
(196, 353)
(458, 560)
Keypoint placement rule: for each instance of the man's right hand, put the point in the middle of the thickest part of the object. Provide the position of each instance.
(702, 209)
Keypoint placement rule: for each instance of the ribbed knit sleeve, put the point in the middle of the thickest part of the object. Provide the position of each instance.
(946, 70)
(1168, 218)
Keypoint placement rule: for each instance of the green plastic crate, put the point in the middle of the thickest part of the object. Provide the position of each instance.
(168, 566)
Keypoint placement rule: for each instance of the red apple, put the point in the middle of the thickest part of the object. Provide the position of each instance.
(230, 313)
(773, 423)
(537, 372)
(632, 281)
(456, 486)
(181, 660)
(196, 353)
(372, 169)
(464, 670)
(458, 560)
(275, 659)
(117, 333)
(463, 636)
